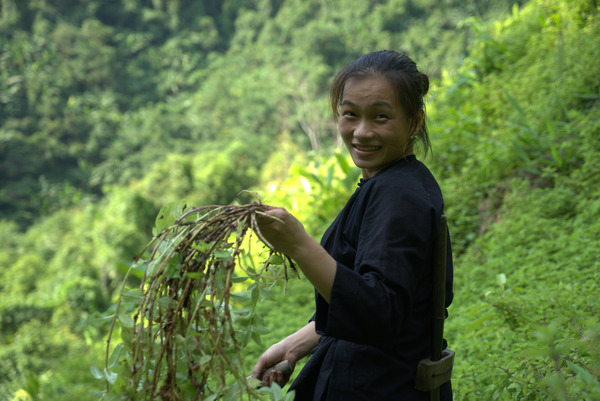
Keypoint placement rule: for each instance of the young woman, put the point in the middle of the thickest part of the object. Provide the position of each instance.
(373, 269)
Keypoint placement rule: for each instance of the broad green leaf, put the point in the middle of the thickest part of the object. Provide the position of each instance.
(164, 302)
(476, 324)
(276, 259)
(242, 312)
(96, 372)
(585, 375)
(110, 377)
(202, 246)
(222, 254)
(133, 295)
(98, 394)
(114, 356)
(240, 296)
(126, 320)
(253, 382)
(204, 359)
(342, 162)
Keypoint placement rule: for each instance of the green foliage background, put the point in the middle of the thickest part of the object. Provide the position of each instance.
(111, 109)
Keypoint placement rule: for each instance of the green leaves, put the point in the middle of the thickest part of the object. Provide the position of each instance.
(276, 260)
(275, 393)
(109, 110)
(167, 216)
(511, 138)
(125, 320)
(188, 327)
(105, 374)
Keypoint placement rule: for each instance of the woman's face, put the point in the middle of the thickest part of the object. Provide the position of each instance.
(373, 124)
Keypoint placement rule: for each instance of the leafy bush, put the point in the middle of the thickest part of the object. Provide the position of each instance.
(92, 148)
(518, 128)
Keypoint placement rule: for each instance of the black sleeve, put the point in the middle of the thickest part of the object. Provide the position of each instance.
(371, 300)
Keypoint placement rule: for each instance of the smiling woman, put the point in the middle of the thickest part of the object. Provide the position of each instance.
(389, 88)
(373, 271)
(373, 124)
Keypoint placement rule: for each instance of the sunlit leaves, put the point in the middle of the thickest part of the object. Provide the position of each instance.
(183, 329)
(110, 110)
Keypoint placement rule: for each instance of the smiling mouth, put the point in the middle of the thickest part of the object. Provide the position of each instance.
(367, 148)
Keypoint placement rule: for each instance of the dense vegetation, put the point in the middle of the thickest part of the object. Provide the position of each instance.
(111, 109)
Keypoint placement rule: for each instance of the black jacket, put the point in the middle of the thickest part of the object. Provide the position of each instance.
(377, 326)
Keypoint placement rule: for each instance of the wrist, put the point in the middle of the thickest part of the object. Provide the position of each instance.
(316, 264)
(304, 247)
(301, 343)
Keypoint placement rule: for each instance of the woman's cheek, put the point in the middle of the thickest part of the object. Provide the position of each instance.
(344, 129)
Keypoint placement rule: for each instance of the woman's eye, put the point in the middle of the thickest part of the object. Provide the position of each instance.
(381, 116)
(348, 113)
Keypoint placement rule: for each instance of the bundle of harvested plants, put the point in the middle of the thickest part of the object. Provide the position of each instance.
(178, 336)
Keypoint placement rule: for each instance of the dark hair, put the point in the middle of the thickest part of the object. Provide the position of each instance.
(409, 83)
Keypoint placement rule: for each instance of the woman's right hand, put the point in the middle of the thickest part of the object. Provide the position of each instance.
(272, 356)
(291, 349)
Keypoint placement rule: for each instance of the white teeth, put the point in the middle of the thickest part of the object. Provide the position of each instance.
(366, 149)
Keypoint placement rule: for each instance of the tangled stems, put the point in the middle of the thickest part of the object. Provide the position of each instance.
(182, 341)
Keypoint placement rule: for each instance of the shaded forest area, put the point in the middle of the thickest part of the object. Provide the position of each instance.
(93, 93)
(111, 109)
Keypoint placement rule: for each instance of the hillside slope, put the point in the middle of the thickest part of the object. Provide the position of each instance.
(518, 144)
(516, 139)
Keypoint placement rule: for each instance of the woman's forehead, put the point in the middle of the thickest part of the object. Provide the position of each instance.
(374, 89)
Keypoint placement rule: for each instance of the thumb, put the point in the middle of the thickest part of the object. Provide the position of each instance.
(271, 214)
(258, 369)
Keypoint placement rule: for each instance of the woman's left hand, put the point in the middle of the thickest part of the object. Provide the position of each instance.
(282, 230)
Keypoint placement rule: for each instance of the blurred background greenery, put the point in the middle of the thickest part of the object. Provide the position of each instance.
(110, 109)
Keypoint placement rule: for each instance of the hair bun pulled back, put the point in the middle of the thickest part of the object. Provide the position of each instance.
(425, 80)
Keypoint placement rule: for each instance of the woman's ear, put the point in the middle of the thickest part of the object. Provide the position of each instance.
(416, 123)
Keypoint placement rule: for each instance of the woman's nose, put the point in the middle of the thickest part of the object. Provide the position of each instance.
(363, 129)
